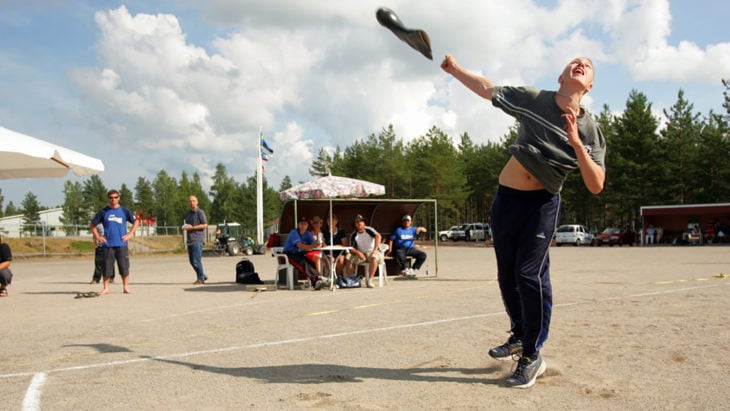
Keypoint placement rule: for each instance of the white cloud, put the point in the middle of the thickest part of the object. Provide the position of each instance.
(640, 32)
(319, 74)
(292, 155)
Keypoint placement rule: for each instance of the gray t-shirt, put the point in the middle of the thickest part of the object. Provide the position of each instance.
(196, 217)
(542, 145)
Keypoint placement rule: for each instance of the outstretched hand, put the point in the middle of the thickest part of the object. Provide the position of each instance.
(449, 64)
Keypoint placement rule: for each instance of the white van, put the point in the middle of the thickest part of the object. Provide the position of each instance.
(575, 234)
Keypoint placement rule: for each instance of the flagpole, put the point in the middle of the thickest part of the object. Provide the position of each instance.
(259, 191)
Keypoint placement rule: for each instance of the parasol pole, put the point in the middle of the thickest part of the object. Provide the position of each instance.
(329, 221)
(329, 224)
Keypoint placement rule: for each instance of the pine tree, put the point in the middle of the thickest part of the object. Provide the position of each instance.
(126, 198)
(322, 165)
(633, 161)
(144, 198)
(75, 214)
(222, 191)
(95, 194)
(167, 200)
(680, 144)
(31, 209)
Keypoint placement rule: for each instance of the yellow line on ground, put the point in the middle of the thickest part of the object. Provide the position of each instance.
(322, 313)
(674, 281)
(360, 307)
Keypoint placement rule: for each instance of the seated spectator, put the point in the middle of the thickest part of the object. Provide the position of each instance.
(365, 242)
(315, 227)
(402, 245)
(6, 276)
(650, 234)
(333, 234)
(298, 243)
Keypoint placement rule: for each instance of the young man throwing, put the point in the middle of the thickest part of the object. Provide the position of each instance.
(556, 135)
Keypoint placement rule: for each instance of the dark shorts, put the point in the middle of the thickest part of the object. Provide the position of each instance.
(121, 256)
(6, 276)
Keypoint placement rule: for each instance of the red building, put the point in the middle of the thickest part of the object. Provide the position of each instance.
(676, 221)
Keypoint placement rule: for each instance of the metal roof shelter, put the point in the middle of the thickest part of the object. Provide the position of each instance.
(674, 219)
(382, 214)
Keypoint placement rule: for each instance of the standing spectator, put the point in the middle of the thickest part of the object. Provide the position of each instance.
(402, 244)
(365, 242)
(195, 225)
(6, 276)
(556, 135)
(114, 219)
(99, 260)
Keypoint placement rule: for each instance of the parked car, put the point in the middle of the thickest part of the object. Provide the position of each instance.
(615, 235)
(472, 232)
(575, 234)
(447, 235)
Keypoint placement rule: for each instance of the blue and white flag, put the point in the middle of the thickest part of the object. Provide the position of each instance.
(265, 147)
(264, 156)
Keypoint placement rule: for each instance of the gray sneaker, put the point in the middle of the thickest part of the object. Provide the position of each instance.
(326, 282)
(528, 369)
(370, 283)
(507, 350)
(318, 285)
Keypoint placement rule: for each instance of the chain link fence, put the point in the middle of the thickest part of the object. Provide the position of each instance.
(43, 239)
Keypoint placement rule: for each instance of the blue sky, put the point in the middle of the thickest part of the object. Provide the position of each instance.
(183, 85)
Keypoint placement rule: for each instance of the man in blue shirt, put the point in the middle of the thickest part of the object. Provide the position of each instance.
(402, 245)
(298, 243)
(114, 219)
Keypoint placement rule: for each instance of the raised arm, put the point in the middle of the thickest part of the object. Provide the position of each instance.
(480, 85)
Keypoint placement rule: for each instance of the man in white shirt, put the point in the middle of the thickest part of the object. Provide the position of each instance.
(365, 242)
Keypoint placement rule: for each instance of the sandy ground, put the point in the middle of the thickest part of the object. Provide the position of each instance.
(633, 328)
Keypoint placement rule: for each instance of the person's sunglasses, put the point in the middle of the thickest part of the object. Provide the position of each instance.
(113, 197)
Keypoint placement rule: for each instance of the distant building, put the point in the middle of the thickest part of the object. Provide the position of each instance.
(711, 221)
(12, 226)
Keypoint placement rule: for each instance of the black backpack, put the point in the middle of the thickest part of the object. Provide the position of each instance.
(246, 273)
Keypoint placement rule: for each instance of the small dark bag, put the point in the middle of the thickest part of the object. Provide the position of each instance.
(246, 273)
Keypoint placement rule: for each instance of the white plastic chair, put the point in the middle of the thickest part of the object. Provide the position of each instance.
(382, 273)
(283, 265)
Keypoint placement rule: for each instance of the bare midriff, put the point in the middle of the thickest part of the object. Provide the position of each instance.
(514, 175)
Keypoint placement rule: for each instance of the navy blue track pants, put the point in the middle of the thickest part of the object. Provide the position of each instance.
(523, 223)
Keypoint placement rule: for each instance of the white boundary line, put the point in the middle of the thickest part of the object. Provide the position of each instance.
(31, 402)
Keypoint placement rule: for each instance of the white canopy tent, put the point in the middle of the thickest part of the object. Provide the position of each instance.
(23, 156)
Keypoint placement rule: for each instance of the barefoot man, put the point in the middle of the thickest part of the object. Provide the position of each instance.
(114, 219)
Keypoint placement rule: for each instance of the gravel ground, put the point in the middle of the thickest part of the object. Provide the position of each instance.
(633, 328)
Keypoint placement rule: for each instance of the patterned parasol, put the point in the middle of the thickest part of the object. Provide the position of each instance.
(332, 187)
